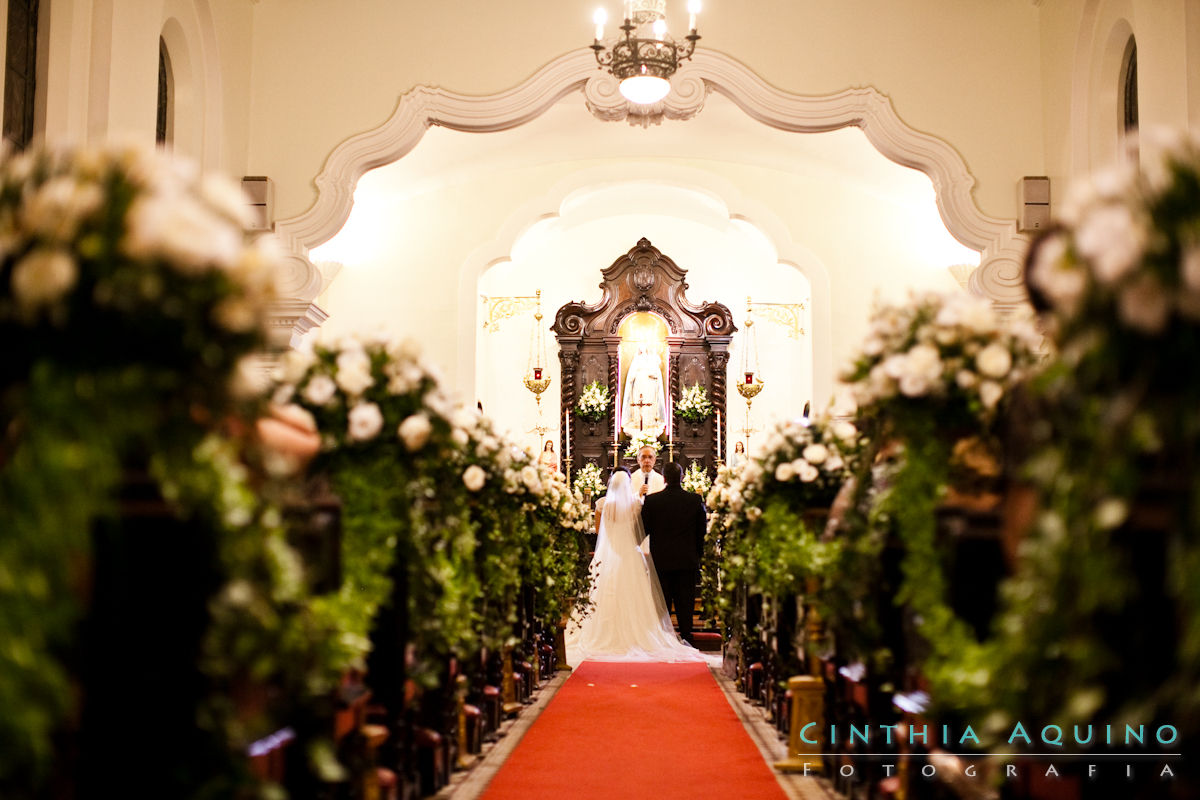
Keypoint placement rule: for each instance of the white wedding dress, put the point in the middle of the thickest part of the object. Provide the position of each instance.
(628, 618)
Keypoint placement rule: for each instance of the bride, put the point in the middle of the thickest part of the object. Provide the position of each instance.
(628, 618)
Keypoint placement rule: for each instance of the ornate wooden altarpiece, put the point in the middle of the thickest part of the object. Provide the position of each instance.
(698, 351)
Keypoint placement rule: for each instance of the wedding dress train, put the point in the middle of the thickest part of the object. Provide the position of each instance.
(628, 619)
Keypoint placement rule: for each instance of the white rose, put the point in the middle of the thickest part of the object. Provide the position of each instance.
(460, 437)
(1143, 305)
(966, 379)
(815, 453)
(807, 472)
(873, 346)
(845, 431)
(354, 371)
(294, 365)
(914, 385)
(354, 381)
(320, 390)
(415, 432)
(59, 205)
(893, 366)
(365, 422)
(753, 513)
(529, 476)
(994, 361)
(990, 393)
(834, 464)
(1112, 240)
(180, 231)
(924, 361)
(976, 314)
(43, 277)
(784, 472)
(474, 477)
(403, 377)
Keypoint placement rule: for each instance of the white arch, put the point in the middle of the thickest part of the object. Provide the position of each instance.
(1104, 33)
(739, 207)
(191, 39)
(1002, 248)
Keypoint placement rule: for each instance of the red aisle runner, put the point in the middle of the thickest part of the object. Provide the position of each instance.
(619, 730)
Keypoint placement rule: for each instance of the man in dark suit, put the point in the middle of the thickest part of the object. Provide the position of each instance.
(674, 520)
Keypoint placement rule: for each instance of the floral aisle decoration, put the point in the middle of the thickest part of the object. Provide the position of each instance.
(639, 440)
(588, 480)
(528, 529)
(694, 405)
(389, 433)
(132, 300)
(930, 378)
(696, 479)
(1116, 544)
(593, 402)
(949, 354)
(768, 517)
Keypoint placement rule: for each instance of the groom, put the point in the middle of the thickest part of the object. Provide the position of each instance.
(674, 520)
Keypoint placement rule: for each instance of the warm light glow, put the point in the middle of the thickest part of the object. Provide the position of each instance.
(600, 17)
(660, 29)
(693, 10)
(645, 89)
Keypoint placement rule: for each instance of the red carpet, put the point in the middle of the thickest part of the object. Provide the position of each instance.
(658, 731)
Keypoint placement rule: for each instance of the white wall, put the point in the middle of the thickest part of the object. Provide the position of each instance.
(966, 71)
(101, 81)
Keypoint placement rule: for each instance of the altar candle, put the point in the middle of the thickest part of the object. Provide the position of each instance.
(720, 454)
(567, 432)
(616, 430)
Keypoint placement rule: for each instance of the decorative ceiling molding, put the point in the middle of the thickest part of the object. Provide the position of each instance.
(1002, 247)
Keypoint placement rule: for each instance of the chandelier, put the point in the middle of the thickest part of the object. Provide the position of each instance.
(644, 63)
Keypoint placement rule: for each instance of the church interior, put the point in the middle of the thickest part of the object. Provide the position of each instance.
(328, 323)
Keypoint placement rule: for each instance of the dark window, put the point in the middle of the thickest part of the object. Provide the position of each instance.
(20, 72)
(161, 132)
(1130, 91)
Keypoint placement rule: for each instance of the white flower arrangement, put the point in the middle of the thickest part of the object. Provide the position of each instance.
(696, 479)
(363, 386)
(953, 348)
(639, 440)
(694, 405)
(140, 249)
(1127, 250)
(813, 455)
(588, 480)
(593, 402)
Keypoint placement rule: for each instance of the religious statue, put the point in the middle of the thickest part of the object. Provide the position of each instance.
(643, 401)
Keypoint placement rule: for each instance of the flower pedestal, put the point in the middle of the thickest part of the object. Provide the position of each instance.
(808, 705)
(508, 686)
(560, 647)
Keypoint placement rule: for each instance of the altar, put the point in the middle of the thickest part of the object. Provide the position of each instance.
(645, 343)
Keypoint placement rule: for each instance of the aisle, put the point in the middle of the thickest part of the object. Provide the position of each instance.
(626, 730)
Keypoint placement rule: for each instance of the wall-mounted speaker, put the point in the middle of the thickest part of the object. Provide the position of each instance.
(261, 193)
(1035, 203)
